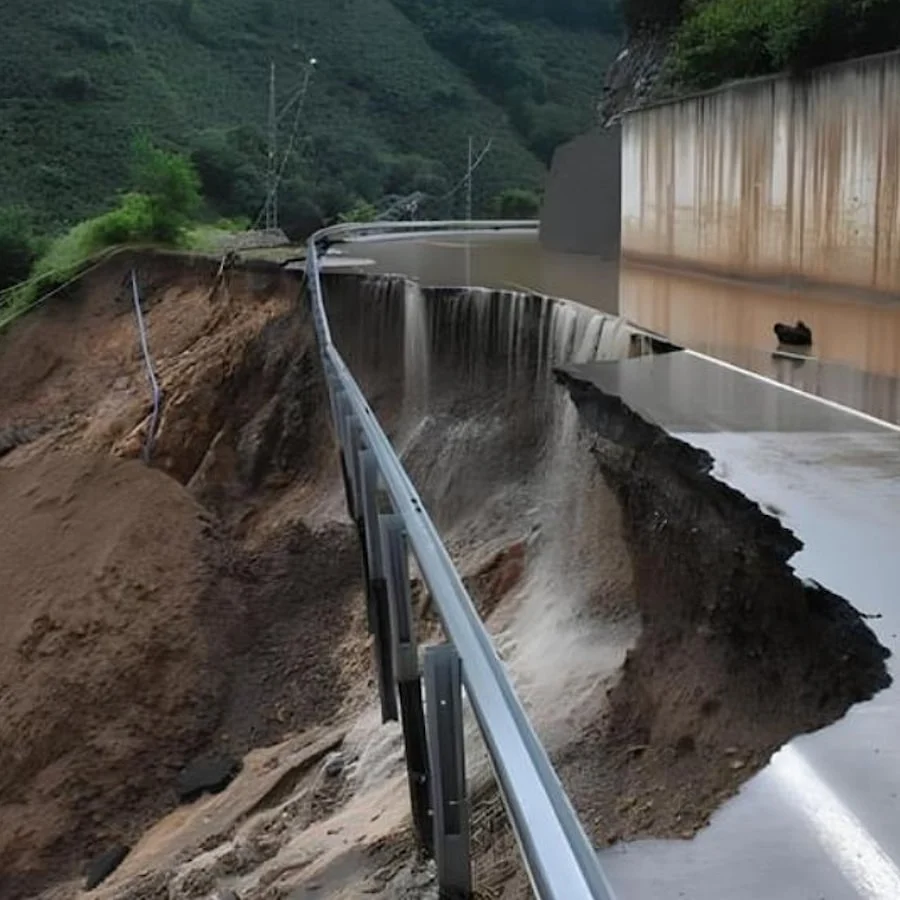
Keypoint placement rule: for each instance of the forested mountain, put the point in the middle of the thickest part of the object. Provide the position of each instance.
(398, 87)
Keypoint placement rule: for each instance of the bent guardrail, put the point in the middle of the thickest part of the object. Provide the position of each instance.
(155, 390)
(392, 521)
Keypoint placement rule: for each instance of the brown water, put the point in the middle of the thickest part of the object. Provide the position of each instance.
(513, 262)
(855, 359)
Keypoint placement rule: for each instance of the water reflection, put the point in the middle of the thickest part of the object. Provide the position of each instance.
(855, 359)
(503, 261)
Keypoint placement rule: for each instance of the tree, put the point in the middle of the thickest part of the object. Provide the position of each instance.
(298, 213)
(723, 39)
(362, 212)
(172, 186)
(644, 13)
(74, 86)
(553, 125)
(17, 246)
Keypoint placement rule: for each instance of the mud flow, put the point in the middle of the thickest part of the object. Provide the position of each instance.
(210, 606)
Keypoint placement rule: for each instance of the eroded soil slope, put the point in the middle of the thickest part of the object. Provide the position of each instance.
(154, 616)
(736, 654)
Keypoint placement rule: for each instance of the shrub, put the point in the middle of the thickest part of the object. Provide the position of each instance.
(516, 203)
(74, 86)
(159, 211)
(723, 39)
(361, 212)
(133, 220)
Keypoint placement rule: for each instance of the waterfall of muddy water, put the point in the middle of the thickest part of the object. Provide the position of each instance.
(416, 352)
(569, 625)
(495, 449)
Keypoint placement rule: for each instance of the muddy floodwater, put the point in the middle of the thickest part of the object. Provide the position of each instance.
(854, 359)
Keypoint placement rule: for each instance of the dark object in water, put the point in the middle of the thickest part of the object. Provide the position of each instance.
(799, 335)
(208, 776)
(102, 866)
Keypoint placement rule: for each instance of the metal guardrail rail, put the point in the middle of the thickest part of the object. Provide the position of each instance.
(392, 521)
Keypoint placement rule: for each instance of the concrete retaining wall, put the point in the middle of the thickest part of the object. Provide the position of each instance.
(772, 178)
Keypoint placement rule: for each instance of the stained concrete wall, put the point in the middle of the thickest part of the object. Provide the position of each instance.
(582, 199)
(772, 178)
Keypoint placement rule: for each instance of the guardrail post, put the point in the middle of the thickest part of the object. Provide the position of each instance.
(354, 448)
(406, 667)
(376, 585)
(343, 418)
(446, 752)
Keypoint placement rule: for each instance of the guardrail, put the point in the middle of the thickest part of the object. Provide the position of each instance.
(155, 390)
(392, 522)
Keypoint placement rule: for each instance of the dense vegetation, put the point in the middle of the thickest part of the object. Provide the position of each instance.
(159, 208)
(399, 86)
(718, 40)
(489, 41)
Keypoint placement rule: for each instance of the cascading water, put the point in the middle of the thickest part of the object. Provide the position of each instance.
(500, 460)
(416, 351)
(571, 623)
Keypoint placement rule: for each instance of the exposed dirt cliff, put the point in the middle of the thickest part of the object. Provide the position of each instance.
(153, 616)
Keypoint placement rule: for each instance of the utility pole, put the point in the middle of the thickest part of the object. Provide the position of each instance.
(272, 171)
(469, 183)
(469, 168)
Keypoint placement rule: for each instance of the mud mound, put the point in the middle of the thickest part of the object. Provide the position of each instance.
(154, 617)
(137, 637)
(102, 649)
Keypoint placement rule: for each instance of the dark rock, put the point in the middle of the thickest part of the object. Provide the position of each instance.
(335, 766)
(799, 335)
(17, 435)
(207, 776)
(102, 866)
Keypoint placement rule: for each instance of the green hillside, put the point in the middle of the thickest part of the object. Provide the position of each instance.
(397, 89)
